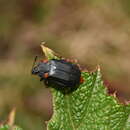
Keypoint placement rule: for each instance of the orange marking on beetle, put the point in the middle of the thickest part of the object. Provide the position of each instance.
(44, 61)
(81, 79)
(46, 75)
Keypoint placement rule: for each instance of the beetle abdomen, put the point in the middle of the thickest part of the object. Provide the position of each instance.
(63, 73)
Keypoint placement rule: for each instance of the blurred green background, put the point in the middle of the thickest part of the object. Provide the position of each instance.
(92, 31)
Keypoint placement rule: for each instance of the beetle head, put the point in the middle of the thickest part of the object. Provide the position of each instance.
(35, 70)
(40, 69)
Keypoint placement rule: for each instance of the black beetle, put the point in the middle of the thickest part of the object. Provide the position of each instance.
(58, 72)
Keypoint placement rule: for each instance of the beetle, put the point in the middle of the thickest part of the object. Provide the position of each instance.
(57, 72)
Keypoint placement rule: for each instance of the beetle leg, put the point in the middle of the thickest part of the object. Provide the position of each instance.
(79, 66)
(46, 82)
(41, 79)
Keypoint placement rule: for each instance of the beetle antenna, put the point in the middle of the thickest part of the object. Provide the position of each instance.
(35, 59)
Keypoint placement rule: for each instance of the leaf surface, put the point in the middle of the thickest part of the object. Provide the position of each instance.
(89, 107)
(7, 127)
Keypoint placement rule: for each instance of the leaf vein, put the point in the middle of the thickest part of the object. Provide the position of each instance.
(69, 113)
(86, 110)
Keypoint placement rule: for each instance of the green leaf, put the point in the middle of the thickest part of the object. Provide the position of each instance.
(17, 128)
(9, 123)
(50, 54)
(4, 127)
(89, 107)
(7, 127)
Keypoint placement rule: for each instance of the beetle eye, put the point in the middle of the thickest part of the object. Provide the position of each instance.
(35, 70)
